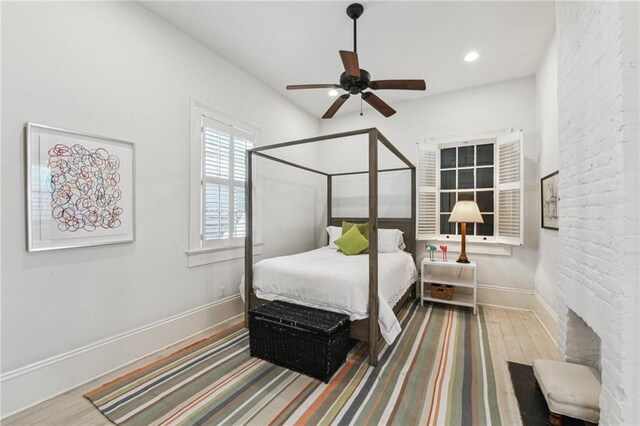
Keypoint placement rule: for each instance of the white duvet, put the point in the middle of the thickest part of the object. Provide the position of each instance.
(327, 279)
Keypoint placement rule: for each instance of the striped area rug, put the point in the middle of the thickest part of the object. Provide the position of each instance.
(438, 371)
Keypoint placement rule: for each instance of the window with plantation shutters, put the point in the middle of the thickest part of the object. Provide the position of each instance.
(223, 182)
(486, 168)
(218, 144)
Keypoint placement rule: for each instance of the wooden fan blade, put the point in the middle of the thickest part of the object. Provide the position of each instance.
(336, 106)
(350, 62)
(378, 104)
(312, 86)
(398, 85)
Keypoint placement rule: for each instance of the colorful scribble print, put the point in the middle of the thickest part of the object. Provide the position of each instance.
(84, 188)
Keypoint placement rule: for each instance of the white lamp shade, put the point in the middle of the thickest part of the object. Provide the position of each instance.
(466, 211)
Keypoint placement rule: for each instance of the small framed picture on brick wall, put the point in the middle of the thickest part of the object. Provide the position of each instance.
(549, 201)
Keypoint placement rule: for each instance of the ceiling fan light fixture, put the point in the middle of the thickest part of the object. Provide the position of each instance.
(356, 81)
(471, 56)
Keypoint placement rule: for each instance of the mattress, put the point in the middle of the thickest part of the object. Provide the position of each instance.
(327, 279)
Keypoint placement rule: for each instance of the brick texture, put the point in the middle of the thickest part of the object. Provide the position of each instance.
(599, 185)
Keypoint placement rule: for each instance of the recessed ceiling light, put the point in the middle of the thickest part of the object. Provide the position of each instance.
(471, 56)
(333, 92)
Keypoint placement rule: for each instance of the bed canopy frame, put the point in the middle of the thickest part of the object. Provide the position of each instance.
(365, 330)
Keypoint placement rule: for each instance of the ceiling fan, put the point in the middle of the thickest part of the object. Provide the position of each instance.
(355, 80)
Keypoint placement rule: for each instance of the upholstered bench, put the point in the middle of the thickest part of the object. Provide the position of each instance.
(570, 390)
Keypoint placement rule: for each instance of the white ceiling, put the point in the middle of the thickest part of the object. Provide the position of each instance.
(282, 43)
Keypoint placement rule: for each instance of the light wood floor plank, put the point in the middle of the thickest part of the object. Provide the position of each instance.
(499, 355)
(514, 335)
(514, 351)
(87, 418)
(539, 337)
(529, 350)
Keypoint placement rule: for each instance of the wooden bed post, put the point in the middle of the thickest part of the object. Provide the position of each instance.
(248, 240)
(329, 198)
(373, 248)
(413, 210)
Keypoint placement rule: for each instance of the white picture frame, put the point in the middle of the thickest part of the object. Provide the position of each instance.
(80, 189)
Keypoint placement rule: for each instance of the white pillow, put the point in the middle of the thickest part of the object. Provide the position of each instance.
(334, 232)
(390, 240)
(401, 244)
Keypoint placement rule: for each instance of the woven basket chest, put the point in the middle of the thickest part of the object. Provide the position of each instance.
(311, 341)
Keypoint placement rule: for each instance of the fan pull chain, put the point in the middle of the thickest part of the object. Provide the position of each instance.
(361, 114)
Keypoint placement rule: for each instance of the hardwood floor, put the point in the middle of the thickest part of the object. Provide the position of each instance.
(514, 335)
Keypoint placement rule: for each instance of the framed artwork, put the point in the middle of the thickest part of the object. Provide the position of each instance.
(549, 199)
(80, 189)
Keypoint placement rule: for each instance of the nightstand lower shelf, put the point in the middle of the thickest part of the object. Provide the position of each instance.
(458, 299)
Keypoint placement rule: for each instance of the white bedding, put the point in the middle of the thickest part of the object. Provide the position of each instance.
(327, 279)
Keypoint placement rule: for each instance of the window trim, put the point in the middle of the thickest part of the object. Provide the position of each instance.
(198, 252)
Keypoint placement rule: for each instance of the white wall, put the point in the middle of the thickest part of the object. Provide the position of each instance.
(115, 69)
(496, 106)
(546, 274)
(599, 239)
(1, 202)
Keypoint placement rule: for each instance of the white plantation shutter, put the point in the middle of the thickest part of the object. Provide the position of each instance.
(216, 211)
(510, 229)
(223, 182)
(427, 193)
(241, 143)
(217, 147)
(239, 157)
(239, 223)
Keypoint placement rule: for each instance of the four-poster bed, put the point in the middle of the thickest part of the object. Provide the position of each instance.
(364, 329)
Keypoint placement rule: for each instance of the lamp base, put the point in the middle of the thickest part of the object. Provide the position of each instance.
(463, 259)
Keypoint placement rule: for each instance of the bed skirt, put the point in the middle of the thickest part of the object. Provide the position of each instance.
(358, 329)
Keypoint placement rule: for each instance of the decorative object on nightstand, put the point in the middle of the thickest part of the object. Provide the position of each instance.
(440, 285)
(444, 253)
(432, 250)
(465, 212)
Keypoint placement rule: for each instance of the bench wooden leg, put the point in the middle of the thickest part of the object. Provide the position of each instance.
(555, 419)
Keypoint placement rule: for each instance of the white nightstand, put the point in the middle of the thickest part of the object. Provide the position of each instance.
(435, 272)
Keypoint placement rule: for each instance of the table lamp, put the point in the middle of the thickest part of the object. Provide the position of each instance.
(465, 212)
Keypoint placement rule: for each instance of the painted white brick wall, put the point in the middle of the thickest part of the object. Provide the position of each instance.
(599, 207)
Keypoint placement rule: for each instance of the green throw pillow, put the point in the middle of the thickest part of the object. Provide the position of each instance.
(362, 227)
(352, 242)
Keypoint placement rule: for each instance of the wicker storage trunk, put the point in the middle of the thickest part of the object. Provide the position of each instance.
(311, 341)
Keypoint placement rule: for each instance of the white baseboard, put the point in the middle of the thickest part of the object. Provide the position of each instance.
(547, 317)
(37, 382)
(506, 297)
